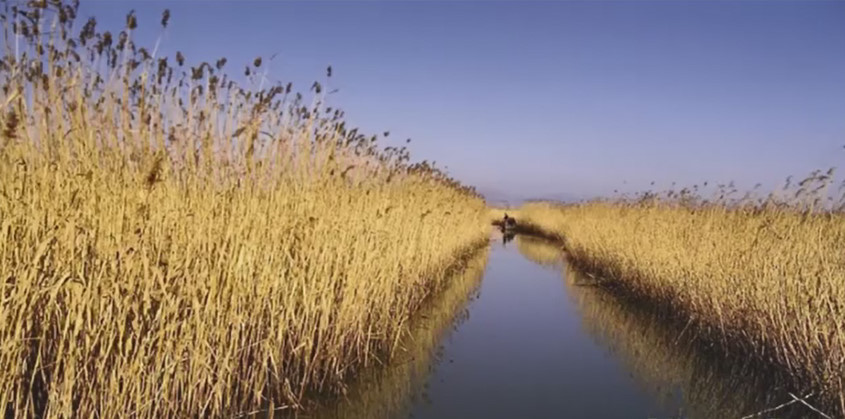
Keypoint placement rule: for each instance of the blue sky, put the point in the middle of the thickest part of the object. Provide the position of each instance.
(552, 98)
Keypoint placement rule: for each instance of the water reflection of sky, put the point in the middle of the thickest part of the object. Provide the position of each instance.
(523, 353)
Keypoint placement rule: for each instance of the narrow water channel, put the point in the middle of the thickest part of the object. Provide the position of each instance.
(524, 352)
(533, 339)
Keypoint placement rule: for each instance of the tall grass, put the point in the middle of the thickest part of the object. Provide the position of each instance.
(764, 278)
(678, 371)
(173, 244)
(388, 392)
(683, 376)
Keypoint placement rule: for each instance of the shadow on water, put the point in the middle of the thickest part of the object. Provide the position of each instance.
(664, 357)
(387, 391)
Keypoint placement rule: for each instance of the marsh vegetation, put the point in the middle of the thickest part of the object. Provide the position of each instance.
(388, 390)
(174, 244)
(764, 278)
(685, 375)
(179, 242)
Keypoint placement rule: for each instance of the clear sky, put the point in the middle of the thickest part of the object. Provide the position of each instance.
(552, 98)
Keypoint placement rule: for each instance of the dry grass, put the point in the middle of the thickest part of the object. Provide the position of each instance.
(174, 245)
(388, 392)
(765, 278)
(676, 370)
(673, 367)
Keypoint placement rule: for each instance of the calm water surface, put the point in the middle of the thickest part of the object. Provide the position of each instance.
(524, 353)
(535, 340)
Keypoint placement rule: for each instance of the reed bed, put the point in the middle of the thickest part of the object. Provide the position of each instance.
(389, 391)
(687, 379)
(176, 244)
(761, 278)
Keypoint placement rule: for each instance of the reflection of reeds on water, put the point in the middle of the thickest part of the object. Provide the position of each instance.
(539, 251)
(668, 362)
(386, 391)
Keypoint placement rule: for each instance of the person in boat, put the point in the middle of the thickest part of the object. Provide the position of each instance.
(509, 222)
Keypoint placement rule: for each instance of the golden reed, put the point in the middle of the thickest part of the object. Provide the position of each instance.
(173, 244)
(766, 277)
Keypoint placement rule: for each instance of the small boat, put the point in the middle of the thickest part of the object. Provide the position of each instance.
(508, 223)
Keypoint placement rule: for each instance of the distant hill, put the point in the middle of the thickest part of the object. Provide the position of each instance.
(559, 197)
(500, 198)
